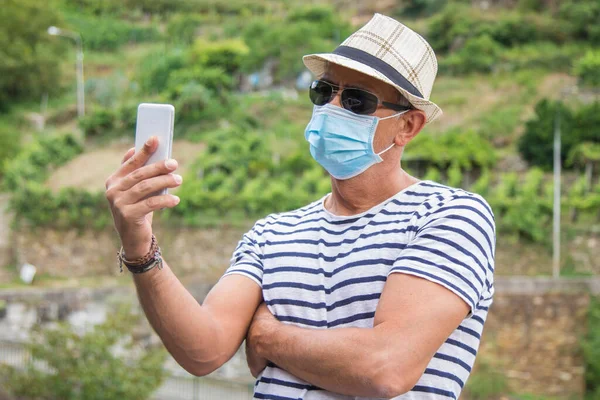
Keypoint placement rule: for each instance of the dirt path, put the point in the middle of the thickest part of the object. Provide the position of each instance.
(90, 169)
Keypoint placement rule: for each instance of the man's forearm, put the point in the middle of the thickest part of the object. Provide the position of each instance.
(188, 330)
(350, 361)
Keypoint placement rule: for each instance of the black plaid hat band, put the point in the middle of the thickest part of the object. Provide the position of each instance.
(378, 64)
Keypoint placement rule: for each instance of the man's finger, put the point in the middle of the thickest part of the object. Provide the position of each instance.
(139, 158)
(128, 155)
(150, 204)
(146, 172)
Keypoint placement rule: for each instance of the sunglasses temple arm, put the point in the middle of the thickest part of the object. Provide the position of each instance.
(395, 107)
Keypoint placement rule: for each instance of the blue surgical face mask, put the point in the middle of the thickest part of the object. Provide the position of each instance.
(342, 141)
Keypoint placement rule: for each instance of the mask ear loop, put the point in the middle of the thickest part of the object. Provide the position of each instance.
(390, 116)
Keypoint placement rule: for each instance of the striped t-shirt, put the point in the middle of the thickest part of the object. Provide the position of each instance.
(319, 270)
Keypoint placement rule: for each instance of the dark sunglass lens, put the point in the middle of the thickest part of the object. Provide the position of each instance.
(320, 93)
(359, 101)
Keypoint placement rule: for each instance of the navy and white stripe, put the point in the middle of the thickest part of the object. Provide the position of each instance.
(323, 271)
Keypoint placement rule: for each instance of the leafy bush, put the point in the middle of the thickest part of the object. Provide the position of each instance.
(479, 54)
(457, 23)
(577, 126)
(37, 205)
(183, 28)
(103, 123)
(419, 8)
(464, 149)
(100, 122)
(108, 33)
(541, 55)
(37, 159)
(198, 106)
(501, 121)
(29, 58)
(156, 69)
(583, 17)
(304, 30)
(239, 174)
(225, 54)
(88, 365)
(523, 208)
(10, 142)
(587, 69)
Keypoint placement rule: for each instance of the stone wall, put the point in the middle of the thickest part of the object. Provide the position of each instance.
(203, 252)
(533, 334)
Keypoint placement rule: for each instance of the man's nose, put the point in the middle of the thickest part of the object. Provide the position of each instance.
(337, 101)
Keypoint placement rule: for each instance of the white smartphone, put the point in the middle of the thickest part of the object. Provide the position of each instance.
(155, 120)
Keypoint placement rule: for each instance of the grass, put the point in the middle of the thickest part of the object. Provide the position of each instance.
(486, 382)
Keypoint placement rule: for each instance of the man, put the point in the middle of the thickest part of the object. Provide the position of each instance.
(378, 290)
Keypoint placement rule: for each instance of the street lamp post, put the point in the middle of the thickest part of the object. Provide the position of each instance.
(53, 30)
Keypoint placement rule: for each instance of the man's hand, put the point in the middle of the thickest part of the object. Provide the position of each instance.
(262, 325)
(126, 192)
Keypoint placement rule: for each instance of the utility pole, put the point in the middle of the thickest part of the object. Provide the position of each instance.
(54, 31)
(556, 205)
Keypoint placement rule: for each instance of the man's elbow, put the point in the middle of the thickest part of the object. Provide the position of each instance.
(199, 368)
(392, 378)
(389, 384)
(199, 364)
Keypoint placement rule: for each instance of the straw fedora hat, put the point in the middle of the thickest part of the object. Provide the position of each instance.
(391, 52)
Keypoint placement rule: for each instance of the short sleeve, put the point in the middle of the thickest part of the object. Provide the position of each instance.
(247, 257)
(454, 246)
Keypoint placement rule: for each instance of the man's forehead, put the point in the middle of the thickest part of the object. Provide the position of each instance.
(348, 77)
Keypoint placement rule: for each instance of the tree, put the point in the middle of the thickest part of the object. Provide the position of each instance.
(536, 144)
(67, 365)
(587, 69)
(29, 57)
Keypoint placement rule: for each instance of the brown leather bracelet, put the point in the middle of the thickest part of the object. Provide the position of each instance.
(142, 262)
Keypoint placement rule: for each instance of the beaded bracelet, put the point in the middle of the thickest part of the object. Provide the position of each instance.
(144, 263)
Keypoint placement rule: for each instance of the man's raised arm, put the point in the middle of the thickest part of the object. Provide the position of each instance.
(201, 338)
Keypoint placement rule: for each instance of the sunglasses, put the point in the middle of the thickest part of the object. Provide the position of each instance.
(359, 101)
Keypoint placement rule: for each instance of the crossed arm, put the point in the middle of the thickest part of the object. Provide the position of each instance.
(413, 319)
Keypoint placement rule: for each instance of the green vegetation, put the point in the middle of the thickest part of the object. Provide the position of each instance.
(36, 160)
(88, 365)
(591, 351)
(588, 69)
(196, 54)
(109, 34)
(577, 125)
(29, 58)
(39, 205)
(486, 382)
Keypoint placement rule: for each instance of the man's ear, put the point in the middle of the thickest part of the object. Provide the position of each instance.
(410, 125)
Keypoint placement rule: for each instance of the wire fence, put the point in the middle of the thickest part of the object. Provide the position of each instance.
(178, 385)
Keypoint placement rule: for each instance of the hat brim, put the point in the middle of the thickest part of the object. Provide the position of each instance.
(317, 64)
